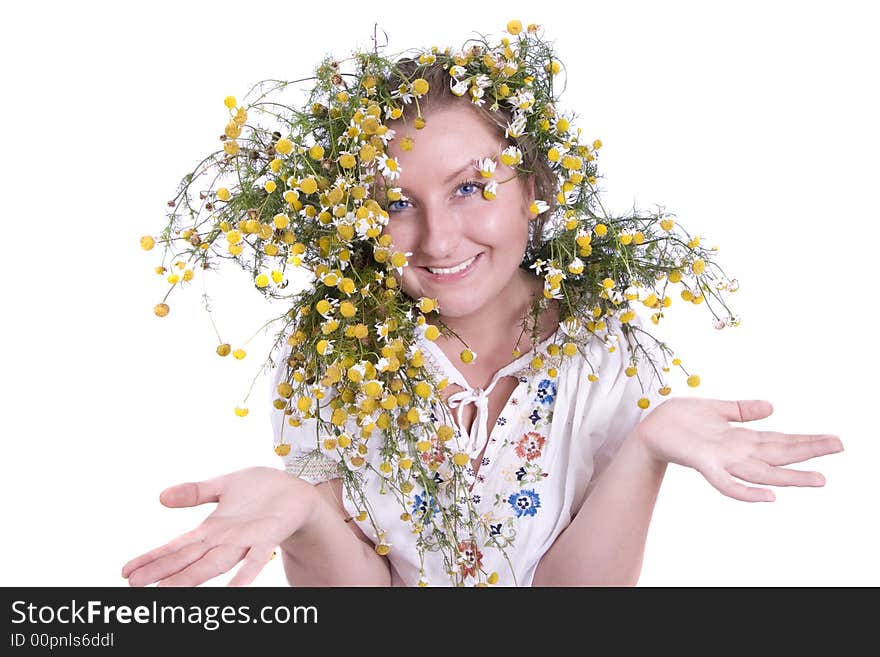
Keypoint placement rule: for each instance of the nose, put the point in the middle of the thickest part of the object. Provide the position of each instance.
(441, 231)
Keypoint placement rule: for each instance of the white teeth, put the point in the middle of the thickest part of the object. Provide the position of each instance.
(452, 270)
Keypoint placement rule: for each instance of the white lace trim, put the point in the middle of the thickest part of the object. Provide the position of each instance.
(312, 467)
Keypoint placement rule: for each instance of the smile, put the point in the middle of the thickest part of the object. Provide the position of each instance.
(446, 271)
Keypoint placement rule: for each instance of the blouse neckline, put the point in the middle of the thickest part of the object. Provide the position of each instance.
(476, 439)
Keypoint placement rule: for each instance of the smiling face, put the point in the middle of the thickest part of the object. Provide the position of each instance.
(466, 250)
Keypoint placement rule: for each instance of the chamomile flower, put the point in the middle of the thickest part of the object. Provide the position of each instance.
(486, 167)
(511, 156)
(387, 135)
(522, 100)
(490, 191)
(458, 87)
(538, 266)
(383, 331)
(538, 207)
(517, 127)
(389, 167)
(403, 93)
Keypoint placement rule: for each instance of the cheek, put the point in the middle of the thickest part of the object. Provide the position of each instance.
(400, 235)
(503, 226)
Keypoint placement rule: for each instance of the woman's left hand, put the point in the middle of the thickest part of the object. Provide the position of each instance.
(697, 433)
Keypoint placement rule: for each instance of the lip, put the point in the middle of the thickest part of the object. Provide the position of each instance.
(451, 278)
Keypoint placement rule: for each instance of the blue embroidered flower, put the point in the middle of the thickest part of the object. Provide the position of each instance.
(495, 530)
(525, 503)
(476, 499)
(535, 416)
(546, 392)
(520, 474)
(424, 507)
(501, 421)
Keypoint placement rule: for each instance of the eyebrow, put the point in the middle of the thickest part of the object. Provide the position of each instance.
(469, 165)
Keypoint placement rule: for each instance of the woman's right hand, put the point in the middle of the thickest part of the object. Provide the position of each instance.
(257, 509)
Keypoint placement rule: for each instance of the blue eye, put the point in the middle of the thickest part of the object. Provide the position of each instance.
(469, 187)
(394, 207)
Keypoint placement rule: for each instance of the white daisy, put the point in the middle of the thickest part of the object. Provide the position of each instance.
(538, 266)
(486, 167)
(511, 156)
(482, 81)
(403, 93)
(477, 95)
(517, 127)
(458, 87)
(389, 167)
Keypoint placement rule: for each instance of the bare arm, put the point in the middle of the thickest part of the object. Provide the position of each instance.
(328, 551)
(604, 545)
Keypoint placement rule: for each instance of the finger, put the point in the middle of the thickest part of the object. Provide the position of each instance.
(783, 453)
(215, 561)
(728, 486)
(759, 472)
(778, 436)
(168, 564)
(256, 559)
(192, 493)
(194, 536)
(744, 410)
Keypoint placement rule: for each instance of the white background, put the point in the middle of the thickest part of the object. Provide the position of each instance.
(755, 122)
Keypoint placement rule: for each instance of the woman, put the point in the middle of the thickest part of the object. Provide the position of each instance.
(562, 469)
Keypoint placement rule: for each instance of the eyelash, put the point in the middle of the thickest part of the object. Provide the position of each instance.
(461, 184)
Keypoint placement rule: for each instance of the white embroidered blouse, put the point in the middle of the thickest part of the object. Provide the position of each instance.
(553, 438)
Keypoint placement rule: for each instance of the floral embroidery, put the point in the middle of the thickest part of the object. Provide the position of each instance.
(471, 558)
(530, 445)
(424, 507)
(501, 421)
(435, 454)
(530, 473)
(525, 503)
(535, 416)
(546, 392)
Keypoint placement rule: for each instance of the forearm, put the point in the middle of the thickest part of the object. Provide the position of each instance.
(604, 544)
(327, 552)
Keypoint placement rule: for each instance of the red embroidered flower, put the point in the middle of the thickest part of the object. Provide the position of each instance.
(529, 446)
(471, 558)
(435, 454)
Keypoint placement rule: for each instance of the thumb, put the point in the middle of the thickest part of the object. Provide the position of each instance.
(191, 493)
(745, 410)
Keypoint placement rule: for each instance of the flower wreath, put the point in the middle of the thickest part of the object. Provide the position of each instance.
(298, 193)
